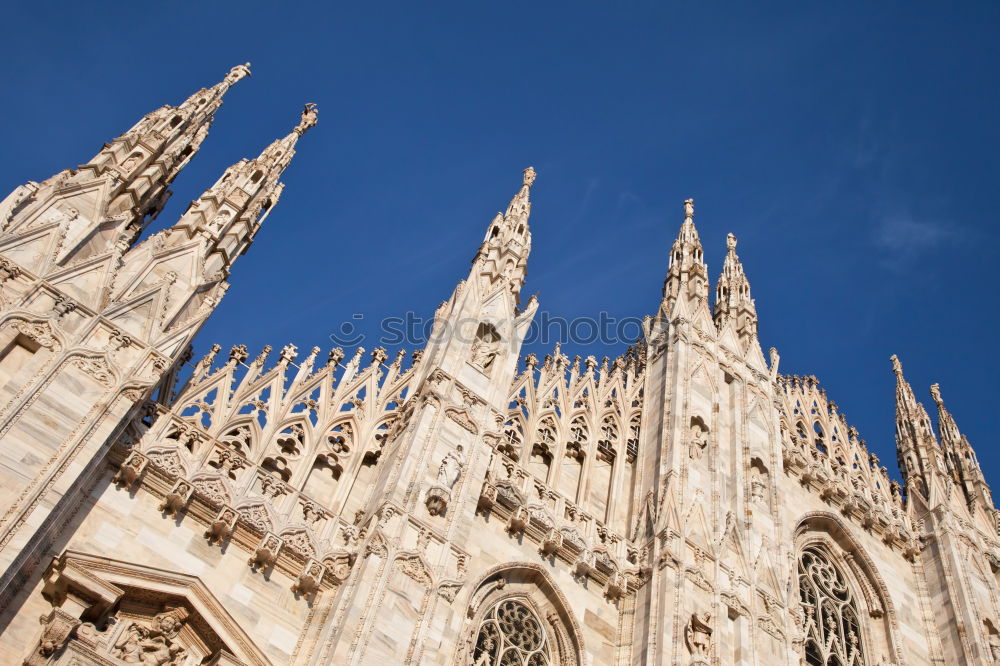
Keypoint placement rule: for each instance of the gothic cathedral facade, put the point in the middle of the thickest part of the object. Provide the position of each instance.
(681, 504)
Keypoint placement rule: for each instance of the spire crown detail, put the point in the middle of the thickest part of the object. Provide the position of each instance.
(732, 295)
(503, 255)
(686, 265)
(228, 215)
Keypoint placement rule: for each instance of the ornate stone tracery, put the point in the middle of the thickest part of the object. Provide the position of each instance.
(831, 622)
(511, 635)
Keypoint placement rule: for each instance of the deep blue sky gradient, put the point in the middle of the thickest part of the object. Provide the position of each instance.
(851, 147)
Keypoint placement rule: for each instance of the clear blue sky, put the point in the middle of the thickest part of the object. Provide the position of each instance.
(852, 148)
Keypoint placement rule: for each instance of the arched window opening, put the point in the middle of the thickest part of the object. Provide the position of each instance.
(511, 634)
(511, 443)
(240, 439)
(540, 457)
(257, 175)
(831, 624)
(820, 438)
(571, 470)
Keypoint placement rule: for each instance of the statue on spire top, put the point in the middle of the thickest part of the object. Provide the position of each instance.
(238, 72)
(731, 241)
(310, 114)
(529, 176)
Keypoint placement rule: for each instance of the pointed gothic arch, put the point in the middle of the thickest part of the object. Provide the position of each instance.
(518, 607)
(542, 448)
(243, 435)
(828, 541)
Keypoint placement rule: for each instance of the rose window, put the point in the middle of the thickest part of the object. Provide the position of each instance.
(510, 635)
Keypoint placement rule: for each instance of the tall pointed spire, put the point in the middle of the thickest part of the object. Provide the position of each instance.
(503, 255)
(948, 429)
(960, 458)
(107, 201)
(916, 446)
(732, 296)
(149, 156)
(687, 274)
(229, 213)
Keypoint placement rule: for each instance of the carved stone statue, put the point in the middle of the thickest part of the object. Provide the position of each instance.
(153, 645)
(310, 114)
(758, 485)
(698, 635)
(484, 658)
(994, 641)
(699, 439)
(238, 72)
(451, 468)
(529, 176)
(485, 352)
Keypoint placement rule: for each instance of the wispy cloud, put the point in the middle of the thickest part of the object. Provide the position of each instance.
(904, 239)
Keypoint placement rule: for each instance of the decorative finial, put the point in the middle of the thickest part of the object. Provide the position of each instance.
(689, 209)
(529, 176)
(731, 241)
(936, 393)
(310, 114)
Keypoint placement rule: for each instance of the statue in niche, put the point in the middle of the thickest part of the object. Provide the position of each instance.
(220, 221)
(153, 645)
(993, 640)
(699, 440)
(698, 635)
(451, 468)
(486, 348)
(758, 484)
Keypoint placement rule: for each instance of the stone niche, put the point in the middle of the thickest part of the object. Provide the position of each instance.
(111, 612)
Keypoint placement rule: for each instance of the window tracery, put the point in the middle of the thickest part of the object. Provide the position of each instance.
(831, 625)
(510, 634)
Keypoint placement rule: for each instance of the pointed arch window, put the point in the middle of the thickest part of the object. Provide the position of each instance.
(831, 625)
(510, 634)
